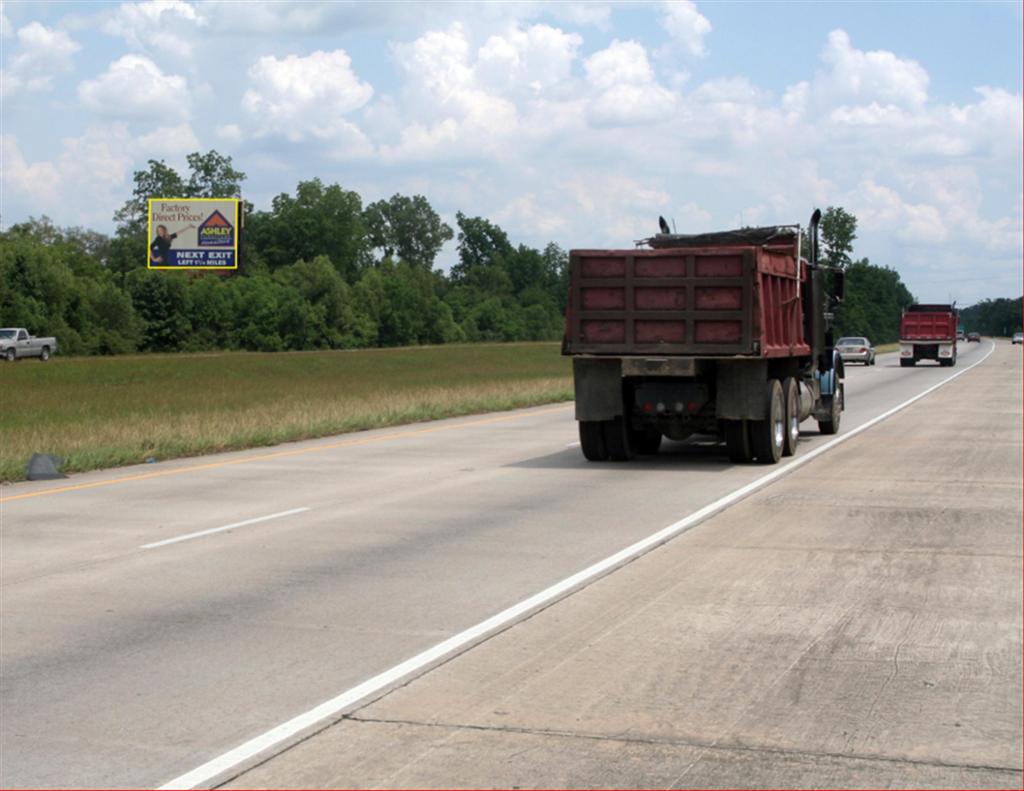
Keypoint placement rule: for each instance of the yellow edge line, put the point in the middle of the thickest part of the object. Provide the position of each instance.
(277, 455)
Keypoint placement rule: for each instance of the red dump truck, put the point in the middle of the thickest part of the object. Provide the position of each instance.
(725, 333)
(928, 332)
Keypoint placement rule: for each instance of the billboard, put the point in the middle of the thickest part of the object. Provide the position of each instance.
(193, 233)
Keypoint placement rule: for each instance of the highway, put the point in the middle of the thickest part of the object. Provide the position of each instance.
(156, 618)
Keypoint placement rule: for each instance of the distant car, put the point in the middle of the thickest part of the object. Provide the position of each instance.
(856, 349)
(974, 337)
(1018, 337)
(961, 335)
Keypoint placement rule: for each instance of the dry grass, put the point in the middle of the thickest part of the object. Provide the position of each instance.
(105, 412)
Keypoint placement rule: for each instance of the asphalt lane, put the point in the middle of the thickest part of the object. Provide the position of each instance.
(125, 666)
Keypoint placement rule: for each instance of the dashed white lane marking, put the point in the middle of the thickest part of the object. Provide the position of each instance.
(212, 530)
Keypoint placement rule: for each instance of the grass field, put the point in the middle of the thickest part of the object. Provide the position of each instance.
(100, 412)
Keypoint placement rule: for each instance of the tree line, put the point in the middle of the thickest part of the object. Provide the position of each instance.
(993, 317)
(319, 271)
(322, 271)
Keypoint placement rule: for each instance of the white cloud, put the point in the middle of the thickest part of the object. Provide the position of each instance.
(530, 60)
(933, 207)
(626, 91)
(455, 113)
(526, 211)
(157, 27)
(6, 28)
(276, 19)
(866, 77)
(438, 61)
(994, 125)
(38, 182)
(42, 53)
(133, 87)
(685, 24)
(232, 133)
(310, 96)
(588, 13)
(617, 208)
(95, 167)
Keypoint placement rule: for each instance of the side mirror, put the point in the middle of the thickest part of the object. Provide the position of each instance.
(838, 285)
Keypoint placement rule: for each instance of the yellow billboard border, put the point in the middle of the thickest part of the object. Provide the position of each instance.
(149, 233)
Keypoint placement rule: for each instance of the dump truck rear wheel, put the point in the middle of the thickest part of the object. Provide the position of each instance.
(791, 398)
(592, 440)
(618, 440)
(737, 441)
(768, 436)
(907, 363)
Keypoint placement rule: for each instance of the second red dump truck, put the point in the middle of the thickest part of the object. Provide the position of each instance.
(723, 333)
(928, 332)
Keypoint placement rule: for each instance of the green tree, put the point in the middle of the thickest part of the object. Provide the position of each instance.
(114, 327)
(160, 180)
(406, 229)
(257, 314)
(482, 247)
(875, 300)
(161, 303)
(346, 322)
(316, 221)
(211, 312)
(838, 230)
(402, 302)
(212, 176)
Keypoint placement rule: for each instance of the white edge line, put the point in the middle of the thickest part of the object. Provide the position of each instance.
(336, 705)
(175, 540)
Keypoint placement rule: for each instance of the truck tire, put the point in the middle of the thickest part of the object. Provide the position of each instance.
(648, 441)
(737, 441)
(44, 355)
(831, 426)
(618, 439)
(907, 363)
(592, 440)
(768, 436)
(791, 398)
(10, 355)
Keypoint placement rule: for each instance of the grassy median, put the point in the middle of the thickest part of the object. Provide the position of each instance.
(98, 412)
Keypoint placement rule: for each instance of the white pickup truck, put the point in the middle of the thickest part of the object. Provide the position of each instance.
(15, 342)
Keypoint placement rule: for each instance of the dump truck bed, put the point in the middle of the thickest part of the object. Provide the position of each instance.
(718, 300)
(929, 323)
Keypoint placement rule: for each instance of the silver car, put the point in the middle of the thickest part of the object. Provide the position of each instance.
(856, 350)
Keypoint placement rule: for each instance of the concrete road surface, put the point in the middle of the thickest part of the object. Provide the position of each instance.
(854, 623)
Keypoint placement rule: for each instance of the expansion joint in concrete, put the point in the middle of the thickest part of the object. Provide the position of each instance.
(726, 748)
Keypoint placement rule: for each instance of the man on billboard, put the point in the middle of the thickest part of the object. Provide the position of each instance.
(162, 243)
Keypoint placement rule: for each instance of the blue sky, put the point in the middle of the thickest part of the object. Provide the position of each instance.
(577, 123)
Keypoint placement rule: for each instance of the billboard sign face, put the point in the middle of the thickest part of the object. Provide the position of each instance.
(193, 233)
